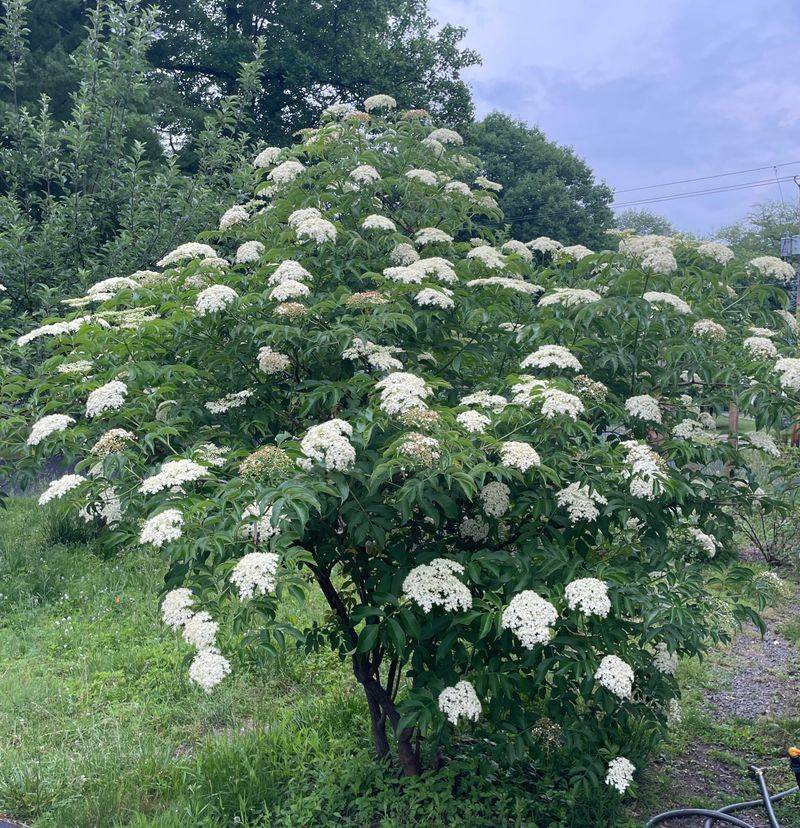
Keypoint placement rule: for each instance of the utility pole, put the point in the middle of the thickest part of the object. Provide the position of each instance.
(788, 248)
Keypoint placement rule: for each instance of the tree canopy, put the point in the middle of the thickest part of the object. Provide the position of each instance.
(644, 223)
(759, 234)
(547, 189)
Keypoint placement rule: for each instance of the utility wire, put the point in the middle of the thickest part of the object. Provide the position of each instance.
(707, 177)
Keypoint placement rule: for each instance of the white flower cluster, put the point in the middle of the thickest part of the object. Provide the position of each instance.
(234, 215)
(229, 401)
(107, 507)
(763, 442)
(484, 399)
(432, 235)
(272, 362)
(47, 425)
(616, 676)
(495, 498)
(620, 774)
(254, 574)
(423, 176)
(209, 668)
(555, 356)
(112, 286)
(111, 441)
(644, 469)
(760, 347)
(379, 102)
(162, 528)
(510, 284)
(176, 608)
(328, 443)
(446, 136)
(173, 473)
(420, 448)
(660, 260)
(517, 455)
(379, 357)
(190, 250)
(376, 222)
(708, 543)
(212, 455)
(286, 172)
(560, 403)
(709, 329)
(579, 501)
(474, 529)
(720, 253)
(517, 248)
(664, 661)
(108, 397)
(401, 391)
(589, 595)
(544, 244)
(694, 432)
(658, 299)
(460, 701)
(403, 254)
(773, 268)
(638, 246)
(435, 584)
(267, 157)
(58, 488)
(473, 421)
(458, 187)
(250, 251)
(488, 257)
(789, 319)
(80, 366)
(789, 369)
(530, 618)
(54, 329)
(485, 184)
(319, 229)
(435, 297)
(569, 297)
(365, 174)
(576, 252)
(644, 407)
(214, 299)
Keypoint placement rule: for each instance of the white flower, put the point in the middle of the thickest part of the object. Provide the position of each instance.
(708, 329)
(250, 251)
(589, 595)
(644, 469)
(716, 251)
(708, 543)
(286, 172)
(432, 235)
(760, 347)
(162, 528)
(579, 501)
(620, 774)
(435, 266)
(511, 284)
(272, 362)
(530, 617)
(544, 244)
(576, 252)
(47, 425)
(438, 298)
(420, 448)
(558, 402)
(214, 299)
(212, 455)
(107, 507)
(304, 214)
(403, 254)
(319, 229)
(773, 268)
(365, 174)
(488, 256)
(254, 574)
(790, 320)
(200, 631)
(458, 187)
(379, 102)
(424, 176)
(616, 676)
(173, 473)
(338, 109)
(80, 366)
(495, 498)
(460, 701)
(58, 488)
(640, 246)
(764, 442)
(54, 329)
(660, 260)
(484, 183)
(288, 289)
(376, 222)
(176, 608)
(658, 299)
(111, 441)
(379, 357)
(108, 397)
(112, 285)
(569, 297)
(664, 661)
(190, 250)
(789, 369)
(644, 407)
(474, 529)
(435, 584)
(520, 456)
(674, 713)
(401, 391)
(403, 274)
(694, 432)
(267, 157)
(288, 271)
(546, 356)
(446, 136)
(483, 399)
(234, 215)
(518, 249)
(229, 401)
(208, 669)
(329, 444)
(473, 421)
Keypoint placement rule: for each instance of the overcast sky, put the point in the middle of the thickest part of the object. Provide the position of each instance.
(649, 91)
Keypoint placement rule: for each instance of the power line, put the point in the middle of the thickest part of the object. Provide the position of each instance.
(710, 191)
(707, 177)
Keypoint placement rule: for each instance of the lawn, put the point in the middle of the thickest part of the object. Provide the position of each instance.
(99, 725)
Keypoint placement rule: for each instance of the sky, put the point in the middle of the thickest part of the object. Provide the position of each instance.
(649, 91)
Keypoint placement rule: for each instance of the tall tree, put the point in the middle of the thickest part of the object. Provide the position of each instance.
(644, 222)
(547, 189)
(759, 234)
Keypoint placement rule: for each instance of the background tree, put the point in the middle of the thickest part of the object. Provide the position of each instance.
(759, 234)
(547, 189)
(644, 223)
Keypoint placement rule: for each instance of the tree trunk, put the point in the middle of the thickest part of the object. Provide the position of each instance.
(378, 719)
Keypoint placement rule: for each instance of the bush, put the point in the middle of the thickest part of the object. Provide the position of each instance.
(509, 505)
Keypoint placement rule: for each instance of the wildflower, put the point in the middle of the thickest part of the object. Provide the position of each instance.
(267, 157)
(484, 183)
(162, 528)
(420, 448)
(328, 444)
(424, 176)
(763, 442)
(54, 329)
(660, 260)
(173, 473)
(108, 397)
(250, 251)
(47, 425)
(474, 529)
(544, 244)
(263, 527)
(365, 174)
(80, 366)
(376, 222)
(644, 407)
(760, 347)
(659, 299)
(620, 774)
(254, 574)
(214, 299)
(556, 356)
(366, 299)
(473, 421)
(432, 235)
(286, 172)
(190, 250)
(589, 595)
(229, 401)
(288, 289)
(208, 669)
(401, 391)
(664, 661)
(716, 251)
(436, 584)
(579, 501)
(616, 676)
(58, 488)
(530, 618)
(272, 362)
(460, 701)
(510, 284)
(644, 469)
(789, 369)
(458, 187)
(488, 257)
(520, 456)
(560, 403)
(269, 462)
(790, 320)
(435, 266)
(773, 268)
(446, 136)
(403, 254)
(379, 357)
(576, 252)
(709, 329)
(708, 543)
(569, 297)
(379, 102)
(495, 498)
(518, 249)
(113, 440)
(235, 215)
(318, 229)
(297, 217)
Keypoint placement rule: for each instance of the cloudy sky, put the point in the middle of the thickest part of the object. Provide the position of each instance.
(650, 91)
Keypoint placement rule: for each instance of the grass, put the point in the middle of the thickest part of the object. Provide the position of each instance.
(99, 725)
